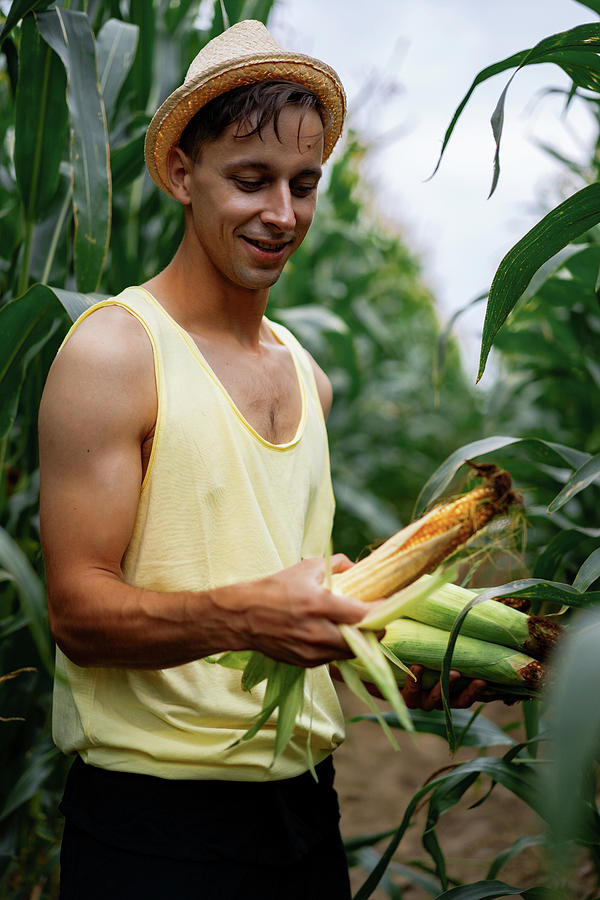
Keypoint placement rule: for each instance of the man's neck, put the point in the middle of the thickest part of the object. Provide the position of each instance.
(195, 294)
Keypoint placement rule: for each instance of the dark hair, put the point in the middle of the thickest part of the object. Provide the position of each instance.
(253, 106)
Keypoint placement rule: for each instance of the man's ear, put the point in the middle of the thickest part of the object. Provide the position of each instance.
(179, 168)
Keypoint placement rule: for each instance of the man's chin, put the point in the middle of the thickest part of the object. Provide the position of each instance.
(257, 281)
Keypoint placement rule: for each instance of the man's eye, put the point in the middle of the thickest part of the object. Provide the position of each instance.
(303, 190)
(247, 185)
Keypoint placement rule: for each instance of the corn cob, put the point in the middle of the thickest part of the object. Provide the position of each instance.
(424, 544)
(414, 642)
(488, 621)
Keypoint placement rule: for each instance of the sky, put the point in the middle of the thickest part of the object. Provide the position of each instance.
(405, 65)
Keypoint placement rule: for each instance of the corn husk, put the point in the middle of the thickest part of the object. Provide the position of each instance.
(415, 642)
(489, 620)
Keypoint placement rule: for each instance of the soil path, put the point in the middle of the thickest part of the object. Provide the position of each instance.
(375, 784)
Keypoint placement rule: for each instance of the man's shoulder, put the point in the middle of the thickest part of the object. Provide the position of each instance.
(108, 334)
(105, 365)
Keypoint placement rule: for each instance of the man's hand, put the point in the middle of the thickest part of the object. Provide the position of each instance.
(294, 618)
(417, 697)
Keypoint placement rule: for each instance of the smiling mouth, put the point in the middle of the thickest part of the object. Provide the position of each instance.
(266, 246)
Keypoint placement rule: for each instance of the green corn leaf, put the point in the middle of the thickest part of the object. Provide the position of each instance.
(175, 15)
(257, 9)
(74, 302)
(591, 4)
(479, 733)
(557, 49)
(19, 10)
(545, 452)
(69, 34)
(32, 595)
(488, 890)
(580, 479)
(506, 856)
(26, 325)
(520, 779)
(140, 78)
(39, 767)
(550, 560)
(509, 63)
(544, 591)
(569, 784)
(589, 572)
(127, 161)
(366, 840)
(115, 47)
(567, 221)
(41, 122)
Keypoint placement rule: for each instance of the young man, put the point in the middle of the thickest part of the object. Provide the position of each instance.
(186, 508)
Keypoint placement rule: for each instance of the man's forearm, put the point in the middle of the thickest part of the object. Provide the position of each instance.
(98, 620)
(103, 621)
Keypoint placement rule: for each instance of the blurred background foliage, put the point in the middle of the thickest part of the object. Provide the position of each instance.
(79, 218)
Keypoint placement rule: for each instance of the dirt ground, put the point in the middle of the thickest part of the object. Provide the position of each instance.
(375, 784)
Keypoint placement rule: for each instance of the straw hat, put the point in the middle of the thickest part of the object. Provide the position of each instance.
(244, 54)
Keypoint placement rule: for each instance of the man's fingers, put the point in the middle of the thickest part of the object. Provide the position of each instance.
(340, 563)
(412, 690)
(433, 700)
(346, 610)
(473, 692)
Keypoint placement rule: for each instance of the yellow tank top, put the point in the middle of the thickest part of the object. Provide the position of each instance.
(219, 504)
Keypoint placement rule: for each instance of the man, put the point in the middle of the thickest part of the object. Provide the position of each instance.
(186, 508)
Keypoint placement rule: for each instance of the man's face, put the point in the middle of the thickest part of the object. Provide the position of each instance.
(253, 198)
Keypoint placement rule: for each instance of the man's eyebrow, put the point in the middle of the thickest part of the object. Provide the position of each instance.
(249, 163)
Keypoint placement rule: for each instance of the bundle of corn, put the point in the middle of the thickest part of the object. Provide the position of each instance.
(417, 549)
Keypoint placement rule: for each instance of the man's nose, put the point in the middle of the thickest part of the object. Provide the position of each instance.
(279, 209)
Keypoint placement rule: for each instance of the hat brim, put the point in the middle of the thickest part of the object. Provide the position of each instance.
(178, 109)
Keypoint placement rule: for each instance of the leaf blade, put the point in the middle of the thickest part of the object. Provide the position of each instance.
(41, 122)
(567, 221)
(69, 34)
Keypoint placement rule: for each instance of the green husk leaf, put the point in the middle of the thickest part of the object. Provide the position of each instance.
(367, 650)
(396, 662)
(357, 687)
(233, 659)
(256, 670)
(291, 700)
(392, 608)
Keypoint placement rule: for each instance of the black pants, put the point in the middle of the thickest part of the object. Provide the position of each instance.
(134, 837)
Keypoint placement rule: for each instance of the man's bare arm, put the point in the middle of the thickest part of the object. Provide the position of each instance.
(98, 408)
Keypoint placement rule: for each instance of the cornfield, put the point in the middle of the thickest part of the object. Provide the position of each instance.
(78, 220)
